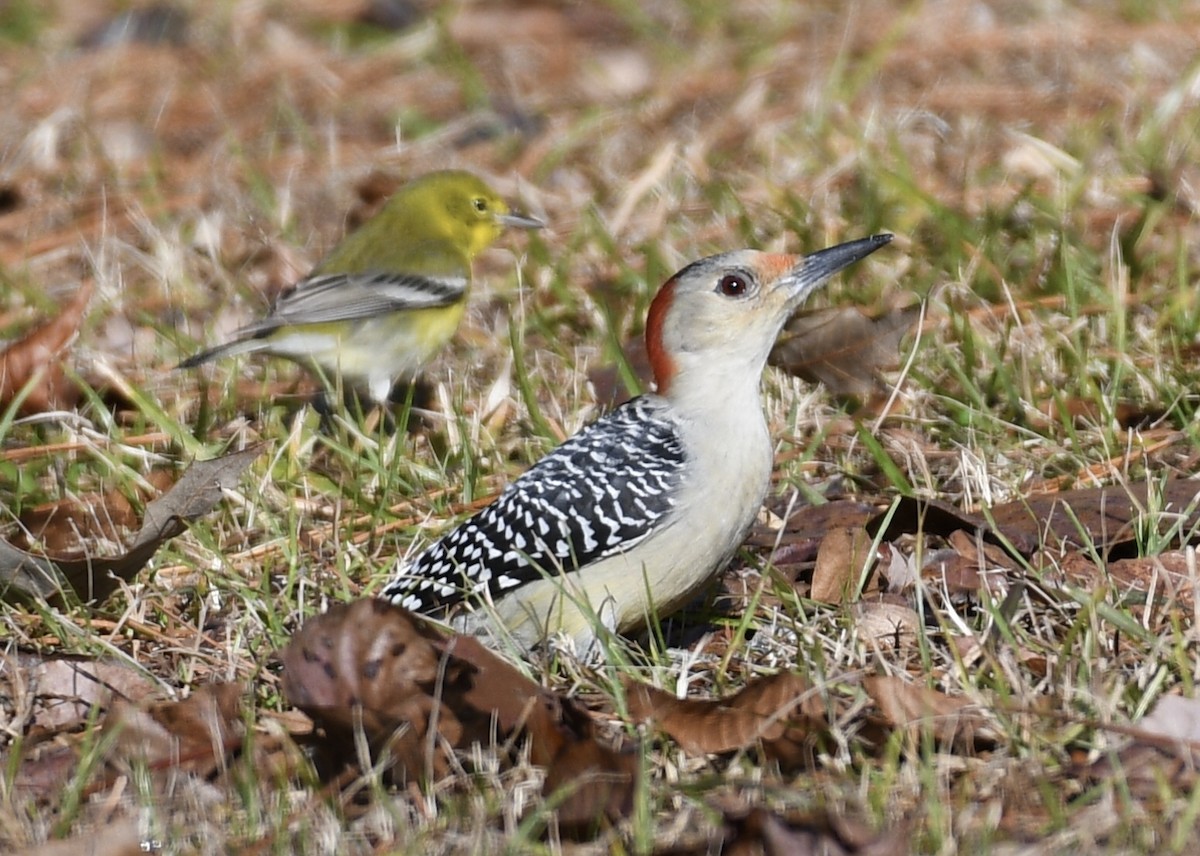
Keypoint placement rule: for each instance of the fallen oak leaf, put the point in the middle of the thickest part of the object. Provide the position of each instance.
(843, 347)
(584, 778)
(1084, 412)
(840, 560)
(196, 736)
(810, 522)
(910, 515)
(887, 625)
(416, 694)
(31, 368)
(951, 720)
(359, 668)
(66, 527)
(27, 575)
(201, 487)
(793, 833)
(1165, 748)
(778, 711)
(65, 689)
(1107, 519)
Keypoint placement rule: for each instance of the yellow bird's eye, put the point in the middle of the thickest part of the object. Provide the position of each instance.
(481, 204)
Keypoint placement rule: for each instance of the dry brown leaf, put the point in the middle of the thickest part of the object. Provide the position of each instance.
(888, 626)
(756, 830)
(898, 569)
(71, 527)
(843, 347)
(68, 526)
(563, 739)
(1085, 411)
(373, 668)
(197, 736)
(591, 784)
(1168, 576)
(812, 522)
(951, 721)
(840, 560)
(44, 771)
(35, 361)
(970, 562)
(779, 711)
(66, 689)
(28, 575)
(122, 837)
(1108, 518)
(364, 667)
(1165, 749)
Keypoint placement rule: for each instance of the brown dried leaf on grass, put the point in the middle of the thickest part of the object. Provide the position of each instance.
(887, 624)
(372, 669)
(950, 720)
(1107, 518)
(780, 712)
(26, 575)
(840, 560)
(59, 692)
(809, 523)
(121, 837)
(33, 363)
(844, 348)
(1165, 750)
(72, 527)
(1170, 576)
(760, 831)
(1057, 532)
(197, 736)
(1086, 411)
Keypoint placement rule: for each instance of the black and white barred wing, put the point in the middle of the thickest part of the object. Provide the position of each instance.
(598, 494)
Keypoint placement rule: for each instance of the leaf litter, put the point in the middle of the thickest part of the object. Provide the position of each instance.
(981, 581)
(92, 578)
(31, 368)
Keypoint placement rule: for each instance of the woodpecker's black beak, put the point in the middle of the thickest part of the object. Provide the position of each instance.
(825, 263)
(814, 270)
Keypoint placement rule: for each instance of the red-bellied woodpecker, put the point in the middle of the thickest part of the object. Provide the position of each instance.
(627, 519)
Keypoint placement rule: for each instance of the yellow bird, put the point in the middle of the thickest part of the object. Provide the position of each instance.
(391, 294)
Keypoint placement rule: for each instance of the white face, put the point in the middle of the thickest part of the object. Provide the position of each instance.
(722, 314)
(737, 304)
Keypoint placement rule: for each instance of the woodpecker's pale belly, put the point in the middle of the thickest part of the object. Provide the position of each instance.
(718, 504)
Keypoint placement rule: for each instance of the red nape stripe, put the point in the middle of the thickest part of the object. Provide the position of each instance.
(660, 361)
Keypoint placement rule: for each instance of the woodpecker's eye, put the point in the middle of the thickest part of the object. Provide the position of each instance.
(732, 285)
(480, 204)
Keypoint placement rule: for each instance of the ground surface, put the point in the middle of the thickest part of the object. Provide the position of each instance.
(1037, 164)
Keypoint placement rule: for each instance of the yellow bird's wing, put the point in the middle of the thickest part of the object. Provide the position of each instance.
(352, 297)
